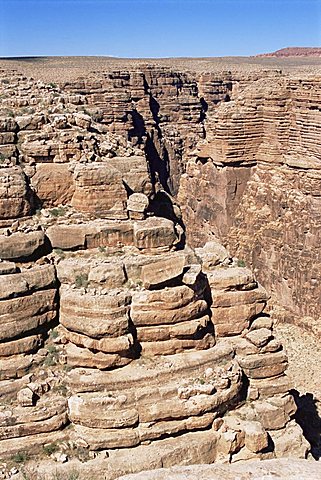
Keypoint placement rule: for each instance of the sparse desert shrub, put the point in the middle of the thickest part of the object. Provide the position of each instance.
(20, 457)
(82, 454)
(81, 280)
(57, 212)
(73, 476)
(241, 263)
(61, 389)
(201, 381)
(59, 252)
(50, 360)
(53, 334)
(52, 349)
(50, 448)
(67, 368)
(85, 111)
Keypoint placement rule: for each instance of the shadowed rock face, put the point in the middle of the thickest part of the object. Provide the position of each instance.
(109, 321)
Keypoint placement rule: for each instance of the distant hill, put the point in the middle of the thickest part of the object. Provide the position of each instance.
(294, 52)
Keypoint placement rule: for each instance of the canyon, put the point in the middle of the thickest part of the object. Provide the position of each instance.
(159, 221)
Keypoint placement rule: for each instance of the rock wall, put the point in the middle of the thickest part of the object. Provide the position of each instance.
(260, 170)
(117, 337)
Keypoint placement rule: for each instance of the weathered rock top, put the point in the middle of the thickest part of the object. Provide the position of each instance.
(285, 469)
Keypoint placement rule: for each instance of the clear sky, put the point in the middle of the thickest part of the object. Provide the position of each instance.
(156, 28)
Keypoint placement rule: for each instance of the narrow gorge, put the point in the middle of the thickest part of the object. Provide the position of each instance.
(156, 223)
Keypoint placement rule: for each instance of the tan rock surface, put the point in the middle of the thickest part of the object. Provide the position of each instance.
(53, 184)
(20, 245)
(282, 468)
(154, 233)
(99, 190)
(14, 194)
(133, 345)
(95, 315)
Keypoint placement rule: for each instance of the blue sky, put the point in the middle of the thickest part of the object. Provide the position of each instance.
(156, 28)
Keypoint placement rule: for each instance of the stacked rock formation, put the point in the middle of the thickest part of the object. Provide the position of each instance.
(28, 309)
(260, 162)
(111, 323)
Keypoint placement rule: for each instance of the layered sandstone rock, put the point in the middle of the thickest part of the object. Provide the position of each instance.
(14, 194)
(157, 347)
(28, 307)
(21, 245)
(45, 417)
(154, 234)
(99, 189)
(146, 401)
(97, 327)
(260, 163)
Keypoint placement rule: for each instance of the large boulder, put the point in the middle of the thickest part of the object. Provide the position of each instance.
(99, 190)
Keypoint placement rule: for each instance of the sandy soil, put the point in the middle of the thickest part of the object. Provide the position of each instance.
(304, 353)
(67, 68)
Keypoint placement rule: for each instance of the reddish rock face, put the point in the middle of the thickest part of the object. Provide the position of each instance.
(294, 52)
(99, 190)
(255, 185)
(53, 183)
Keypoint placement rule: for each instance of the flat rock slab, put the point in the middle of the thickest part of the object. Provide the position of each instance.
(285, 469)
(20, 245)
(162, 271)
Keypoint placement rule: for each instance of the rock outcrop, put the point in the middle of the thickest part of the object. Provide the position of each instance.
(117, 338)
(294, 52)
(285, 469)
(260, 163)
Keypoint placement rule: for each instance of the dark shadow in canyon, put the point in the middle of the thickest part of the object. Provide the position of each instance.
(159, 167)
(139, 130)
(308, 418)
(158, 163)
(158, 158)
(154, 108)
(204, 109)
(162, 206)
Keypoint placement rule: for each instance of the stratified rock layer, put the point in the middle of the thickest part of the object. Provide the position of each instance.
(261, 165)
(110, 323)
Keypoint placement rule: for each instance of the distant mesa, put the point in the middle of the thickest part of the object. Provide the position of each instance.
(294, 52)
